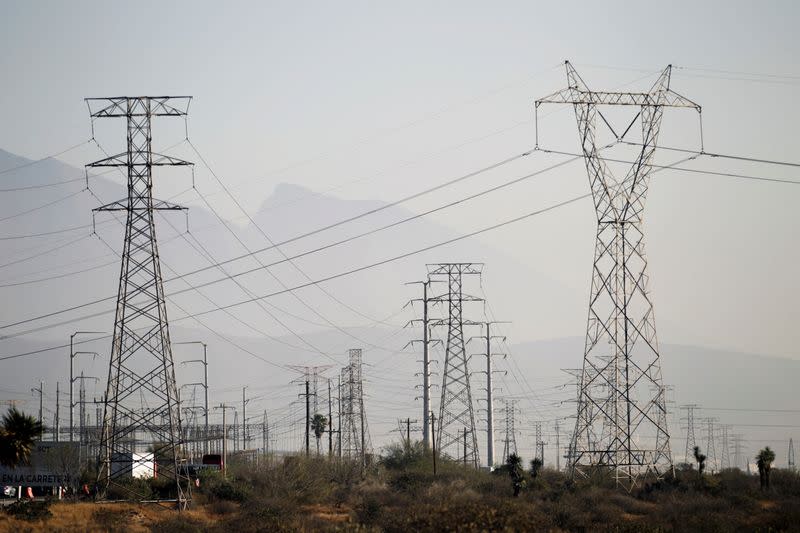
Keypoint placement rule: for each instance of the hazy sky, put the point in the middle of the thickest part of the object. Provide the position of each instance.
(372, 100)
(384, 94)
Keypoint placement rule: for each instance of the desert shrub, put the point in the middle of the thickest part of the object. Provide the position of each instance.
(226, 490)
(178, 523)
(112, 518)
(130, 489)
(222, 507)
(30, 511)
(263, 515)
(785, 482)
(399, 457)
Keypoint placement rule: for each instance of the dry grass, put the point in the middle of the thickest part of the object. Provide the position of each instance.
(317, 495)
(82, 517)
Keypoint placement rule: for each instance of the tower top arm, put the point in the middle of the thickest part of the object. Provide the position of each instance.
(572, 95)
(577, 92)
(123, 106)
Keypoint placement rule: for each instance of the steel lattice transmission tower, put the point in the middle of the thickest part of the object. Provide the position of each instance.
(510, 440)
(355, 431)
(456, 410)
(691, 439)
(141, 403)
(621, 420)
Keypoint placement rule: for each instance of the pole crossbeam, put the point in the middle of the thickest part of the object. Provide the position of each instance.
(142, 412)
(621, 410)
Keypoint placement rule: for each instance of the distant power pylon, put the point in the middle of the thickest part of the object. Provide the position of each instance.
(354, 432)
(621, 419)
(725, 456)
(691, 439)
(790, 456)
(510, 439)
(711, 449)
(141, 401)
(456, 410)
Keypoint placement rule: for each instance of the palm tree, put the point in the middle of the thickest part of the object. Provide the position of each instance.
(764, 461)
(514, 466)
(18, 433)
(318, 424)
(701, 460)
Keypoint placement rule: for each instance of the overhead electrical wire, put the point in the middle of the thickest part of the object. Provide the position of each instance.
(211, 259)
(249, 251)
(45, 158)
(293, 239)
(288, 259)
(383, 207)
(331, 277)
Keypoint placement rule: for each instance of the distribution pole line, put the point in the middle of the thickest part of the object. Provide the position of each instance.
(627, 432)
(40, 390)
(141, 400)
(487, 339)
(72, 355)
(426, 371)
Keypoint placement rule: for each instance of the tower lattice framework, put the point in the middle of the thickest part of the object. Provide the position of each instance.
(141, 411)
(456, 410)
(355, 430)
(621, 413)
(510, 440)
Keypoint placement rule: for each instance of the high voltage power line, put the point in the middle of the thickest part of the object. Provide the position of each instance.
(658, 167)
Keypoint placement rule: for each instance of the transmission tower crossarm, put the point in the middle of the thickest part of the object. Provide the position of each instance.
(138, 106)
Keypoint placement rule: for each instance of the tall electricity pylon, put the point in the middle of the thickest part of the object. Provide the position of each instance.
(621, 367)
(355, 431)
(725, 456)
(141, 402)
(790, 456)
(691, 438)
(456, 410)
(711, 449)
(510, 440)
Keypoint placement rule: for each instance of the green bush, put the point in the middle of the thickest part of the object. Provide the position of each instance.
(29, 510)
